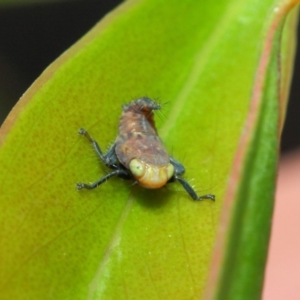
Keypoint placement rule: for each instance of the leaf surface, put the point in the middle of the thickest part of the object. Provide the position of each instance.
(121, 241)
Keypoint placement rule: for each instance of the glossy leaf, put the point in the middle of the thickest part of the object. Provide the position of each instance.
(217, 68)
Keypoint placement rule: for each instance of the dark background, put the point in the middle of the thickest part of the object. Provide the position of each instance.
(40, 33)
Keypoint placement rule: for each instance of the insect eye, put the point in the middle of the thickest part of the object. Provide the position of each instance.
(137, 167)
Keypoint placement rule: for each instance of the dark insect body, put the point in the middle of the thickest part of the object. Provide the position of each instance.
(138, 152)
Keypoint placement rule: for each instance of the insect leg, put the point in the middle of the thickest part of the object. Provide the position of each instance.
(109, 158)
(179, 168)
(191, 191)
(119, 172)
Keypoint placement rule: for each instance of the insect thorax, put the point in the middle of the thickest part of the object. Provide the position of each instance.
(138, 139)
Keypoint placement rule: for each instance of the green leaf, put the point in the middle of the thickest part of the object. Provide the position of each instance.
(217, 68)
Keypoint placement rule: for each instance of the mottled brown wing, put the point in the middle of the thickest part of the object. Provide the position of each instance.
(147, 148)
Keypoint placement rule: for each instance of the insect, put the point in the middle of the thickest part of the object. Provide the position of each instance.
(138, 153)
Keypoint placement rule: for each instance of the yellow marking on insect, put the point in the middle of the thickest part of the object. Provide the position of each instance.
(150, 176)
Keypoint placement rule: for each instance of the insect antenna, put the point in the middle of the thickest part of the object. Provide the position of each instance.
(161, 112)
(162, 105)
